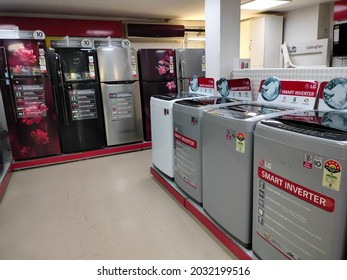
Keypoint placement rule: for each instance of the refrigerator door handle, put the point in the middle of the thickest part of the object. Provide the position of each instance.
(55, 101)
(13, 102)
(59, 68)
(64, 106)
(3, 50)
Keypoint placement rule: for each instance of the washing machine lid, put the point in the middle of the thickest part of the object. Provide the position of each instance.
(245, 111)
(205, 101)
(329, 124)
(164, 97)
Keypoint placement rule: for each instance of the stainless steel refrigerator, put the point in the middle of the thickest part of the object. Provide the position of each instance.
(189, 63)
(77, 91)
(120, 91)
(26, 89)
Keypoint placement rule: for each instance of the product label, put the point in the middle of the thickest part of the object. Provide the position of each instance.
(240, 142)
(332, 175)
(83, 104)
(240, 89)
(122, 106)
(186, 140)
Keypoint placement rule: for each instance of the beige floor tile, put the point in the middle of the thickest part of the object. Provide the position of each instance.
(193, 242)
(58, 239)
(127, 227)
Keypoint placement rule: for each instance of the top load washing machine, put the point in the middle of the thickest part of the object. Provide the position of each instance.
(299, 189)
(227, 151)
(187, 142)
(162, 123)
(227, 154)
(303, 212)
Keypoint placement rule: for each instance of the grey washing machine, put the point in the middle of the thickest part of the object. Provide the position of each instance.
(299, 187)
(187, 142)
(227, 154)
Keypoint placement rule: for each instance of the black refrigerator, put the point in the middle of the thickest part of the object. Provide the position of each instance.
(78, 96)
(27, 95)
(157, 77)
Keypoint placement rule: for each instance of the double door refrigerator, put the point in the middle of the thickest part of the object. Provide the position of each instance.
(158, 77)
(77, 91)
(27, 95)
(190, 63)
(120, 89)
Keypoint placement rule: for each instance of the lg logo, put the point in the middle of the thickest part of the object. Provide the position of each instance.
(265, 164)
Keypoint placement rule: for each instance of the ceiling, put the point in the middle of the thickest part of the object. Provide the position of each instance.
(134, 9)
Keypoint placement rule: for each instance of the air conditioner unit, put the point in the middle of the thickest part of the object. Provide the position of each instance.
(154, 30)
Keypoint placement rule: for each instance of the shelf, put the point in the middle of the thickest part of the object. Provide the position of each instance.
(237, 249)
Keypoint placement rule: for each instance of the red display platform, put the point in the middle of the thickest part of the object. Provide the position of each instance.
(4, 182)
(79, 156)
(233, 246)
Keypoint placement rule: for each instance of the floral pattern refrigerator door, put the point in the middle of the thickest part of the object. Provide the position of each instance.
(158, 77)
(28, 99)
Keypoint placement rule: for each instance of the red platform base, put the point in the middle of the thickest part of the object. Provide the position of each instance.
(233, 246)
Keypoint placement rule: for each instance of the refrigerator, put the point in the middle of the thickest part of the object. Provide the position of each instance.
(157, 77)
(27, 95)
(77, 91)
(189, 63)
(120, 90)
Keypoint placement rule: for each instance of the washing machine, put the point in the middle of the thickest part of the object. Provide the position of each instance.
(227, 154)
(299, 187)
(162, 131)
(187, 142)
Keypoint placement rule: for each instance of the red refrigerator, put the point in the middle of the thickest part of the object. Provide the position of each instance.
(157, 77)
(28, 97)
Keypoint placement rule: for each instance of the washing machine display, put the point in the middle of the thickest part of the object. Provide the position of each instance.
(187, 142)
(227, 152)
(299, 187)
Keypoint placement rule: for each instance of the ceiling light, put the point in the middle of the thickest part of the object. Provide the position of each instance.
(262, 5)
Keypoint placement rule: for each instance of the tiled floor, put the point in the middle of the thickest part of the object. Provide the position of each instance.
(103, 208)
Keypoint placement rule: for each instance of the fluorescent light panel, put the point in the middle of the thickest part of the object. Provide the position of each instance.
(262, 5)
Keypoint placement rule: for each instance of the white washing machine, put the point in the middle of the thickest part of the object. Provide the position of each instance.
(187, 142)
(227, 154)
(162, 132)
(299, 187)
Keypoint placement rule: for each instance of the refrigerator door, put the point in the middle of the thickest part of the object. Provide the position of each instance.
(148, 90)
(76, 65)
(157, 65)
(81, 122)
(117, 64)
(31, 117)
(26, 57)
(189, 63)
(122, 112)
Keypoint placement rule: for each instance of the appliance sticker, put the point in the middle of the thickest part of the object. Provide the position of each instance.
(203, 86)
(122, 106)
(203, 63)
(240, 142)
(317, 162)
(171, 64)
(229, 134)
(332, 175)
(308, 161)
(30, 102)
(186, 140)
(91, 67)
(42, 61)
(83, 104)
(133, 66)
(319, 200)
(333, 95)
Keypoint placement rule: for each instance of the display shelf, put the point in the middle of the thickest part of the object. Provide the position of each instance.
(79, 156)
(237, 249)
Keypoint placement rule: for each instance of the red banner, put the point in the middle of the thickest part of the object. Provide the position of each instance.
(186, 140)
(319, 200)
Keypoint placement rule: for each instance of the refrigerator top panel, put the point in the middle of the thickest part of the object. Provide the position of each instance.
(157, 64)
(25, 57)
(328, 124)
(244, 111)
(200, 102)
(190, 62)
(117, 64)
(77, 65)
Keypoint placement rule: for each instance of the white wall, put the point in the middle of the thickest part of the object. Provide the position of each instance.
(301, 25)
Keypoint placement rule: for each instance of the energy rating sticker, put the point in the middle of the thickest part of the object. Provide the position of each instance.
(240, 142)
(332, 175)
